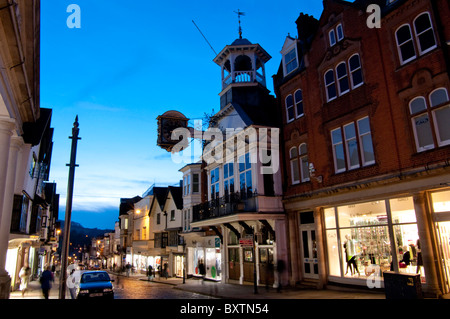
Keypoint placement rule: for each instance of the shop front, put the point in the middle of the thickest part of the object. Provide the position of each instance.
(363, 240)
(23, 252)
(208, 253)
(440, 204)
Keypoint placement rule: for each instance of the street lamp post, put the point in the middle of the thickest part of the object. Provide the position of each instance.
(65, 247)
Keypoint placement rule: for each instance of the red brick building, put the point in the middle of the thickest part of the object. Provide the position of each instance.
(366, 129)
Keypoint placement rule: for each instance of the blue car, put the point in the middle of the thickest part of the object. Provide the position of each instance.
(95, 284)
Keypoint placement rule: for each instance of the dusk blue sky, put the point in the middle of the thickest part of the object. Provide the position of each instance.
(128, 63)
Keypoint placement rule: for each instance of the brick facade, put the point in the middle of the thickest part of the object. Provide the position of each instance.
(388, 86)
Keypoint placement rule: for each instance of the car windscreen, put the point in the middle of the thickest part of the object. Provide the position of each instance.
(92, 277)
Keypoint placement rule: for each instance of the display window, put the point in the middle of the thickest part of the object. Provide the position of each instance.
(199, 257)
(441, 209)
(441, 202)
(366, 239)
(213, 263)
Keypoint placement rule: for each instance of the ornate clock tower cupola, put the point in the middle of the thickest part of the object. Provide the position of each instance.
(243, 71)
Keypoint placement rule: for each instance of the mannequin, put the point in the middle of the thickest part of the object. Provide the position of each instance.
(349, 248)
(419, 256)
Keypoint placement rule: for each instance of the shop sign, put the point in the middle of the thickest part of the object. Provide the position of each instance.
(246, 242)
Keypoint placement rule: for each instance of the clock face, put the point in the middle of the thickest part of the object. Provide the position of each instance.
(167, 127)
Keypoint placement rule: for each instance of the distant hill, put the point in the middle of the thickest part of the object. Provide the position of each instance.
(80, 236)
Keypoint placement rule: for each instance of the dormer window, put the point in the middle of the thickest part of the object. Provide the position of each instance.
(290, 61)
(332, 36)
(336, 34)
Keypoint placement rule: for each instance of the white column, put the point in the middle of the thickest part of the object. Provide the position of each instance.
(6, 127)
(224, 252)
(5, 223)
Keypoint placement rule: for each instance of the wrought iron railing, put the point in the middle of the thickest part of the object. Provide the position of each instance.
(227, 205)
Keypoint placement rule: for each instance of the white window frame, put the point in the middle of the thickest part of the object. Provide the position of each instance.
(351, 71)
(288, 108)
(400, 44)
(414, 116)
(215, 183)
(417, 35)
(434, 109)
(332, 37)
(247, 168)
(339, 38)
(304, 164)
(344, 142)
(339, 78)
(293, 159)
(297, 103)
(228, 178)
(348, 141)
(293, 59)
(335, 145)
(196, 183)
(361, 135)
(327, 85)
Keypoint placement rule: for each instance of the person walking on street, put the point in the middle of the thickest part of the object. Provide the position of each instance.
(280, 270)
(45, 280)
(166, 270)
(150, 272)
(24, 275)
(128, 268)
(202, 270)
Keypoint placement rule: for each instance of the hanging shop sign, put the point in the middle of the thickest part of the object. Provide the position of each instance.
(246, 241)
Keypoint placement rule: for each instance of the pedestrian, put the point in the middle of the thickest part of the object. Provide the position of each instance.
(128, 268)
(24, 275)
(118, 282)
(71, 284)
(45, 280)
(149, 272)
(202, 270)
(166, 270)
(280, 270)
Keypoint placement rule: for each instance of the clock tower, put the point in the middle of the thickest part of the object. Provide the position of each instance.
(243, 73)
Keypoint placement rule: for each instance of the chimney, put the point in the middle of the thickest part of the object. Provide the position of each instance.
(306, 27)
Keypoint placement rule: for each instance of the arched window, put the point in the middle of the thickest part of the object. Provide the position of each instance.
(438, 97)
(342, 78)
(290, 108)
(440, 109)
(330, 84)
(298, 103)
(405, 44)
(355, 71)
(424, 33)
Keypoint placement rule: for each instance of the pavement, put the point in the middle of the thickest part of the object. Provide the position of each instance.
(221, 290)
(34, 291)
(247, 291)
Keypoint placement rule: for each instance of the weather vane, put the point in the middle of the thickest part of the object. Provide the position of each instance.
(239, 14)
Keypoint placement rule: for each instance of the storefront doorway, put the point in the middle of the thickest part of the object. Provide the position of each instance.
(266, 267)
(234, 268)
(443, 229)
(308, 244)
(309, 248)
(441, 217)
(249, 264)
